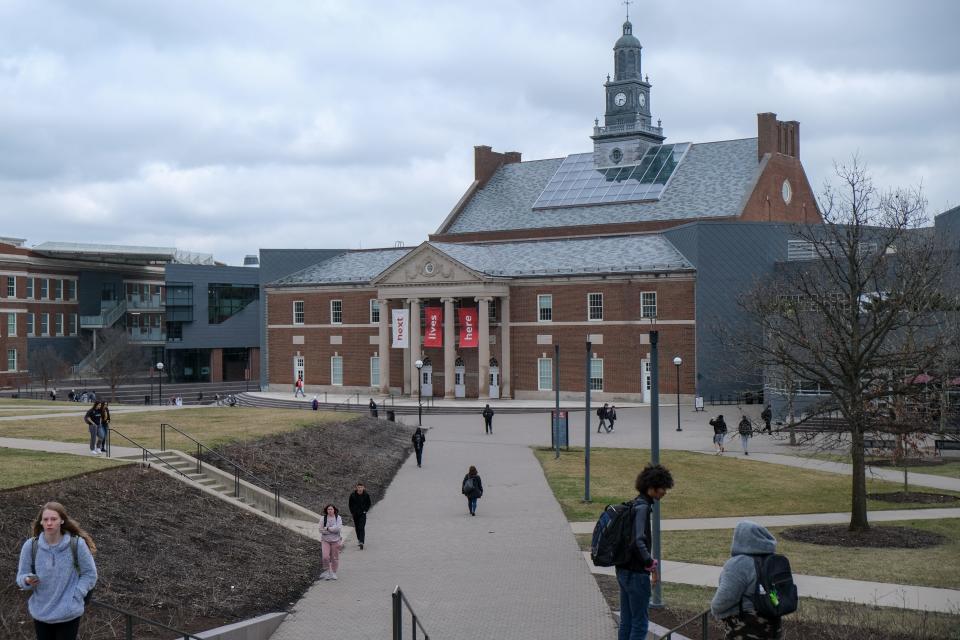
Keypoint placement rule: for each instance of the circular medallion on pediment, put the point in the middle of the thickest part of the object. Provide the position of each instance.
(429, 268)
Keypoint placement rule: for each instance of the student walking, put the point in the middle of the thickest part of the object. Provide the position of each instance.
(298, 387)
(472, 487)
(94, 420)
(373, 408)
(767, 415)
(602, 415)
(746, 431)
(418, 439)
(104, 427)
(611, 417)
(488, 419)
(719, 432)
(637, 576)
(57, 567)
(732, 603)
(331, 542)
(359, 504)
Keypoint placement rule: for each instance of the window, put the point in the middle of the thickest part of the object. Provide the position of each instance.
(44, 324)
(545, 308)
(374, 311)
(336, 311)
(545, 374)
(298, 312)
(375, 371)
(30, 323)
(648, 304)
(174, 331)
(226, 300)
(58, 289)
(594, 306)
(492, 310)
(11, 324)
(44, 289)
(179, 302)
(29, 292)
(596, 374)
(58, 324)
(11, 286)
(11, 359)
(336, 370)
(71, 289)
(73, 324)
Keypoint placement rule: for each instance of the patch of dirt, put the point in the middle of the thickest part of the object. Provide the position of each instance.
(173, 554)
(881, 537)
(914, 497)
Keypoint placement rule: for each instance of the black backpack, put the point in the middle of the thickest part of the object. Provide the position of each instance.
(74, 542)
(612, 542)
(775, 594)
(469, 486)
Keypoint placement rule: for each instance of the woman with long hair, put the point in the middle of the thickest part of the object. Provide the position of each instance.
(330, 541)
(57, 565)
(472, 487)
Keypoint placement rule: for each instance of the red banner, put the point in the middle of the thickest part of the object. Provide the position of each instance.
(433, 333)
(468, 327)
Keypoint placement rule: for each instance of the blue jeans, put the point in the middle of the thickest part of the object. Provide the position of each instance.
(634, 604)
(472, 504)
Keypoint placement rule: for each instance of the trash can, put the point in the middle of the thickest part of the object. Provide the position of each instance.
(146, 399)
(391, 415)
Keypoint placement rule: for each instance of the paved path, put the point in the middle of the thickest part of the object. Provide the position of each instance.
(513, 571)
(697, 524)
(53, 446)
(822, 588)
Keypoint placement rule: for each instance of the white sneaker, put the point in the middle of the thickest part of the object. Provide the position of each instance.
(94, 452)
(333, 576)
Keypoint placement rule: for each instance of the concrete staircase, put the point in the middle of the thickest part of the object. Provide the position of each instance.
(240, 493)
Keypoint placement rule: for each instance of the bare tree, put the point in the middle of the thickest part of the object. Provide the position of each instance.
(47, 367)
(118, 358)
(857, 319)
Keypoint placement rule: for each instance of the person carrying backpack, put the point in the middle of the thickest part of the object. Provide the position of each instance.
(767, 415)
(57, 567)
(487, 414)
(418, 438)
(745, 429)
(94, 420)
(602, 415)
(719, 432)
(737, 602)
(472, 487)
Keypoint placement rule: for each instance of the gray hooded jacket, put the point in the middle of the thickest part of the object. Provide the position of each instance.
(738, 579)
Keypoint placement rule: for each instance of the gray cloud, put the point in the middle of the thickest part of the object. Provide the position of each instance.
(226, 126)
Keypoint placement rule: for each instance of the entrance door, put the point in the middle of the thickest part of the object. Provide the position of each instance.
(459, 379)
(298, 368)
(494, 378)
(645, 379)
(426, 378)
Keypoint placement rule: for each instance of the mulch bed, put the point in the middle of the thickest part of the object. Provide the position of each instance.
(878, 537)
(913, 497)
(173, 554)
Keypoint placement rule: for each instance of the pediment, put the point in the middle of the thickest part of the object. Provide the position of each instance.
(427, 265)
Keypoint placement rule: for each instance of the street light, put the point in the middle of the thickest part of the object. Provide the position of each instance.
(419, 365)
(677, 360)
(160, 375)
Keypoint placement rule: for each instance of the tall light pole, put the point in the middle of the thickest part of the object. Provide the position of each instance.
(419, 365)
(677, 360)
(160, 376)
(656, 597)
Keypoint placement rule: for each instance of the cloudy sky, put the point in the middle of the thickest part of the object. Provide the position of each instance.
(224, 127)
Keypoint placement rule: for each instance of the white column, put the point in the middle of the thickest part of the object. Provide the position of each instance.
(384, 327)
(414, 344)
(449, 353)
(483, 353)
(505, 346)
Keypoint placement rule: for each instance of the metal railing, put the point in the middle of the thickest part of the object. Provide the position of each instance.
(400, 601)
(130, 618)
(105, 318)
(636, 125)
(146, 454)
(703, 616)
(273, 487)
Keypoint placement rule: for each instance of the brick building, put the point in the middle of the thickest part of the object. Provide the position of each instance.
(543, 253)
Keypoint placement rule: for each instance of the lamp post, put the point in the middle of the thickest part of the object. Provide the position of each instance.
(419, 365)
(677, 360)
(160, 377)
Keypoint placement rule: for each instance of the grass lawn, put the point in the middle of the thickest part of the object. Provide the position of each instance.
(706, 486)
(211, 426)
(949, 469)
(19, 468)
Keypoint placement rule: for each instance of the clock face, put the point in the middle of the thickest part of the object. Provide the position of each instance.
(620, 99)
(642, 99)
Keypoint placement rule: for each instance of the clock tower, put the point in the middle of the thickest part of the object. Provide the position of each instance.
(627, 130)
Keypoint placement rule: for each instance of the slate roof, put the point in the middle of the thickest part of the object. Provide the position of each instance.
(714, 180)
(350, 267)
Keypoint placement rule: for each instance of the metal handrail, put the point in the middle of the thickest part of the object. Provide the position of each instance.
(145, 453)
(237, 469)
(130, 617)
(704, 617)
(399, 601)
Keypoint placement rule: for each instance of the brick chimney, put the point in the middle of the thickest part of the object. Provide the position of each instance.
(486, 161)
(775, 136)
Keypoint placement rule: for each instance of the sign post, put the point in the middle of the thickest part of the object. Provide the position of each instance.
(559, 430)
